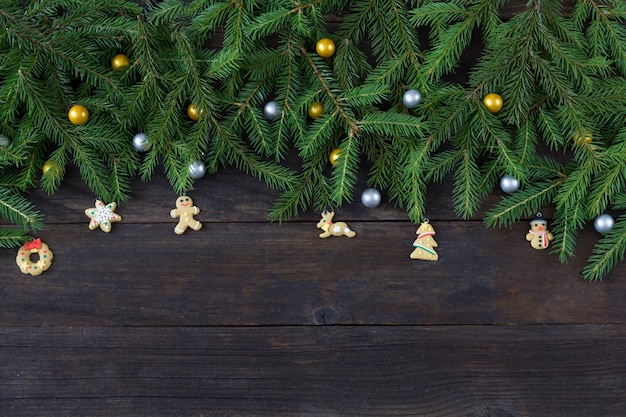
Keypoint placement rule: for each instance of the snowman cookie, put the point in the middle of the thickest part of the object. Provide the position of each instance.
(538, 235)
(185, 211)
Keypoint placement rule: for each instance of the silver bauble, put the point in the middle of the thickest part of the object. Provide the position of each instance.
(370, 197)
(411, 98)
(4, 141)
(603, 223)
(509, 184)
(197, 169)
(140, 142)
(271, 110)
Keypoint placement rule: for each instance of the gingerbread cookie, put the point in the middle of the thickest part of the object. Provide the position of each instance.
(539, 236)
(333, 229)
(27, 266)
(185, 210)
(102, 215)
(425, 243)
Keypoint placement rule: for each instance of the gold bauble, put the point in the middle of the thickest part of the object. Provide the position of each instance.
(316, 109)
(334, 156)
(581, 139)
(78, 114)
(194, 112)
(120, 62)
(493, 102)
(48, 166)
(325, 48)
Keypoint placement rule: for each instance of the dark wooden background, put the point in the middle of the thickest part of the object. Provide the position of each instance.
(251, 318)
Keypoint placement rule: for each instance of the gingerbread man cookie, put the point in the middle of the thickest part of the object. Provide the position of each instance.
(185, 210)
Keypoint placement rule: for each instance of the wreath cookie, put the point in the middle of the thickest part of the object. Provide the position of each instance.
(27, 266)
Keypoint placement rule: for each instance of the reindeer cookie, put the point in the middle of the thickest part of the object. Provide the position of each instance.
(538, 235)
(333, 229)
(185, 211)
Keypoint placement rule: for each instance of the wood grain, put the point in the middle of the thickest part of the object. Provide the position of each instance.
(272, 274)
(501, 371)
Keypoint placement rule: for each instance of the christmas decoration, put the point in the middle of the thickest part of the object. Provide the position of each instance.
(26, 264)
(535, 58)
(411, 98)
(140, 142)
(197, 169)
(316, 110)
(185, 210)
(194, 112)
(78, 114)
(102, 215)
(50, 166)
(4, 141)
(493, 102)
(509, 184)
(538, 235)
(333, 229)
(582, 139)
(120, 62)
(325, 47)
(370, 197)
(271, 110)
(603, 223)
(425, 243)
(334, 156)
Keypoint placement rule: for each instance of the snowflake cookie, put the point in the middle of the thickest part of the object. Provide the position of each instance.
(102, 215)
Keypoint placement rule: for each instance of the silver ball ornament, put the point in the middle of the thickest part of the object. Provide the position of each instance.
(411, 98)
(271, 110)
(509, 184)
(197, 169)
(4, 141)
(140, 142)
(603, 223)
(370, 197)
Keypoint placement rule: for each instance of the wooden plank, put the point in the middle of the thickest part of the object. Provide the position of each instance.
(504, 371)
(272, 274)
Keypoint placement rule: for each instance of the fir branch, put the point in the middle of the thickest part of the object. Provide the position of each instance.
(12, 238)
(345, 171)
(608, 252)
(18, 210)
(568, 220)
(523, 203)
(390, 124)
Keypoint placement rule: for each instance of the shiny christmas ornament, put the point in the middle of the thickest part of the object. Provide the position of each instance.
(370, 197)
(603, 223)
(50, 167)
(140, 142)
(271, 110)
(334, 156)
(493, 102)
(4, 141)
(78, 114)
(325, 48)
(194, 112)
(120, 62)
(581, 139)
(197, 169)
(411, 98)
(316, 110)
(509, 184)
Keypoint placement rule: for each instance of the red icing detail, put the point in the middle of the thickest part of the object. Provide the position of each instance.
(184, 204)
(33, 244)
